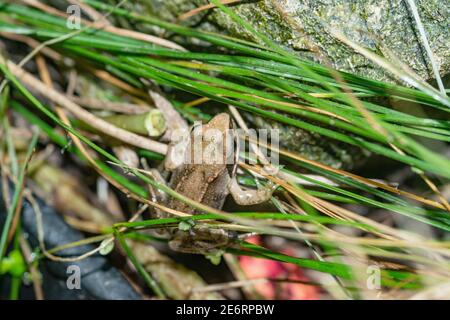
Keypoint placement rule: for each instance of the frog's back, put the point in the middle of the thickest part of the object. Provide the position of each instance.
(207, 184)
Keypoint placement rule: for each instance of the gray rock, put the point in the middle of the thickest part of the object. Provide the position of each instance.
(304, 26)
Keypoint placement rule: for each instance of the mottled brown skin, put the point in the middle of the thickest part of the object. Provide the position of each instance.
(207, 184)
(208, 181)
(204, 183)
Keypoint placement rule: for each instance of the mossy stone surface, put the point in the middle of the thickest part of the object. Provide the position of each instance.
(304, 27)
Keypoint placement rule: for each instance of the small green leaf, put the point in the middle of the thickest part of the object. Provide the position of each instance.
(215, 257)
(106, 246)
(13, 264)
(186, 225)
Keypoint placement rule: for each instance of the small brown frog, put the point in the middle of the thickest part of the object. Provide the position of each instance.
(203, 166)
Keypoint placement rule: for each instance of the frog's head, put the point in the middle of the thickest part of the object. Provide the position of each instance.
(221, 122)
(215, 141)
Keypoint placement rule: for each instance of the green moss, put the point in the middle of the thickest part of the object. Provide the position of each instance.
(376, 24)
(303, 26)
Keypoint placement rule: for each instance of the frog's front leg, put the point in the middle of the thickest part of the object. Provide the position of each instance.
(176, 152)
(247, 197)
(157, 195)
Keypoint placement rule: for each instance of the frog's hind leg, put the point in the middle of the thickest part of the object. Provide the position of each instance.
(247, 197)
(202, 240)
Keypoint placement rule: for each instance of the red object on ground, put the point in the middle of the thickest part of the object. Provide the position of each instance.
(255, 268)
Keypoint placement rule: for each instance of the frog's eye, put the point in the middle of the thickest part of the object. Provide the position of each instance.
(195, 126)
(194, 130)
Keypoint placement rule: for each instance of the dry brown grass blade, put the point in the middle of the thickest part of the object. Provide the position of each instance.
(370, 182)
(303, 107)
(174, 120)
(355, 101)
(34, 272)
(120, 107)
(63, 116)
(333, 210)
(106, 76)
(33, 44)
(108, 27)
(380, 129)
(205, 7)
(60, 99)
(196, 102)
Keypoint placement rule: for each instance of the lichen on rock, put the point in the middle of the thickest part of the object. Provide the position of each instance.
(383, 26)
(304, 26)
